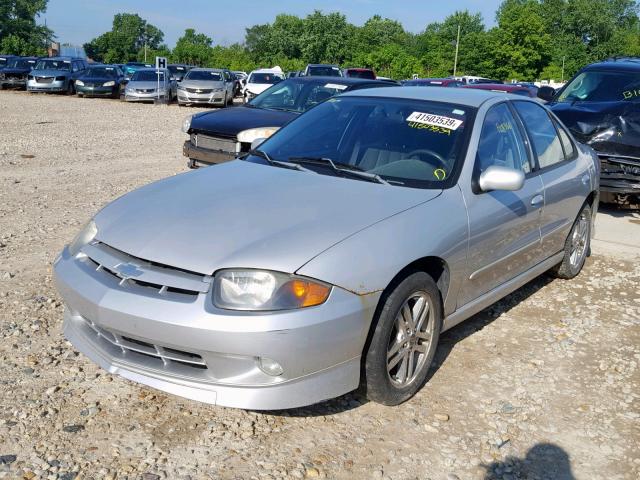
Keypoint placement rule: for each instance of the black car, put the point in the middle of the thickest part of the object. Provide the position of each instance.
(101, 81)
(178, 71)
(222, 135)
(14, 74)
(601, 107)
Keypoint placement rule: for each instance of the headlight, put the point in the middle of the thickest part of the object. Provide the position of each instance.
(87, 234)
(259, 290)
(109, 84)
(248, 136)
(186, 124)
(80, 83)
(180, 87)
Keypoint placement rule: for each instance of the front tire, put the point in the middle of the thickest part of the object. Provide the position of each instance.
(577, 247)
(404, 340)
(70, 90)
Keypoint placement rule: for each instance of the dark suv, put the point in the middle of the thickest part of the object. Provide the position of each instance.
(14, 74)
(56, 74)
(601, 107)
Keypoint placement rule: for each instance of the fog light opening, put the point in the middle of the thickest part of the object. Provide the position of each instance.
(269, 366)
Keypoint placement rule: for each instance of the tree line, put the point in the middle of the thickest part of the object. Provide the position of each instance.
(531, 39)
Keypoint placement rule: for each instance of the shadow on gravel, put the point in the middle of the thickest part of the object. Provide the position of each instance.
(447, 341)
(543, 461)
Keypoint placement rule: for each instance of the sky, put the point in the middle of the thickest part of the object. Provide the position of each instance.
(78, 21)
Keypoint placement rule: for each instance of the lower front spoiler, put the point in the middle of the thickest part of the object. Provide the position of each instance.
(313, 388)
(203, 157)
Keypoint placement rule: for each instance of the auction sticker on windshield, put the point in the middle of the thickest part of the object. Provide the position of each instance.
(335, 86)
(434, 120)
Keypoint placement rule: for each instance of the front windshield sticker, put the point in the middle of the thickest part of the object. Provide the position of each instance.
(335, 86)
(434, 120)
(631, 94)
(458, 112)
(429, 128)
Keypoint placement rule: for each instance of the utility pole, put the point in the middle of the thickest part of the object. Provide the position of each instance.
(145, 43)
(455, 62)
(563, 58)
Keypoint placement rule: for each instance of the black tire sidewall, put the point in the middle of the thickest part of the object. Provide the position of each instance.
(565, 270)
(377, 382)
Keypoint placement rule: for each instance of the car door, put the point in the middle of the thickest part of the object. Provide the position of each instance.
(565, 186)
(504, 226)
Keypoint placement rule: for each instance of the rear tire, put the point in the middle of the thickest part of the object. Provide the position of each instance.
(577, 247)
(404, 340)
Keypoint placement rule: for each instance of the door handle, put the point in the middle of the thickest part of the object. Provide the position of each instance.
(537, 201)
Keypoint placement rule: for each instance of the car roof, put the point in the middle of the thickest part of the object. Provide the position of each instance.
(322, 65)
(339, 80)
(151, 69)
(471, 97)
(496, 86)
(62, 58)
(202, 69)
(629, 64)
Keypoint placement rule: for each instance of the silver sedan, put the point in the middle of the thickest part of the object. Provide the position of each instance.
(335, 253)
(206, 86)
(150, 85)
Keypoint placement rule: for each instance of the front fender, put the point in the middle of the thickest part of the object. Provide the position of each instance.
(368, 261)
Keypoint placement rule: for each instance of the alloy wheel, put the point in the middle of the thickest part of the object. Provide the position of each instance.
(579, 240)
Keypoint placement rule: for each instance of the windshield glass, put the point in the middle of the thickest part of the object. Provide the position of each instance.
(297, 96)
(406, 142)
(324, 72)
(147, 76)
(368, 74)
(269, 78)
(176, 69)
(595, 86)
(21, 63)
(54, 65)
(204, 75)
(101, 72)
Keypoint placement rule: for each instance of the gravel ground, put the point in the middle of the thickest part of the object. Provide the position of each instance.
(543, 385)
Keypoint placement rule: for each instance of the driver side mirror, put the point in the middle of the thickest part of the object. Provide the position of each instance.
(546, 93)
(501, 178)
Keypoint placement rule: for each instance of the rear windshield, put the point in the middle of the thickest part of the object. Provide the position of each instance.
(406, 142)
(101, 72)
(21, 63)
(297, 96)
(54, 65)
(204, 75)
(324, 72)
(268, 78)
(602, 86)
(147, 76)
(368, 74)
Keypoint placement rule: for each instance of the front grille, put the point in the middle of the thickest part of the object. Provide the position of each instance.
(133, 272)
(214, 143)
(145, 90)
(44, 79)
(14, 76)
(199, 90)
(164, 357)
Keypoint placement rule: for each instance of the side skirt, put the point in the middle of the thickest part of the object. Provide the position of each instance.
(499, 292)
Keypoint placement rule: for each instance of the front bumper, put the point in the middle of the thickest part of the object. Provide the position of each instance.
(95, 91)
(205, 157)
(55, 86)
(216, 98)
(217, 351)
(144, 97)
(13, 82)
(619, 174)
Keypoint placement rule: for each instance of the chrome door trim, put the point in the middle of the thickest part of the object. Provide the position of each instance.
(505, 258)
(499, 292)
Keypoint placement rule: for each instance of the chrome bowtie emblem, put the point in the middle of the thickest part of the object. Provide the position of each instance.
(198, 91)
(128, 270)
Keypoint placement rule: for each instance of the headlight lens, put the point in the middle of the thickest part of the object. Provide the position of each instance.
(186, 124)
(259, 290)
(87, 234)
(248, 136)
(109, 84)
(80, 83)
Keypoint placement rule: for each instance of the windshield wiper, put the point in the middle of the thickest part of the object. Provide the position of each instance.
(339, 167)
(279, 163)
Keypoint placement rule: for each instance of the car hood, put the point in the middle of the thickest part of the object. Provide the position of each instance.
(257, 88)
(13, 71)
(230, 121)
(201, 84)
(98, 79)
(50, 73)
(607, 127)
(242, 214)
(146, 85)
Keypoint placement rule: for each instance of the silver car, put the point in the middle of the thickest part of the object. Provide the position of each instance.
(335, 253)
(206, 85)
(149, 85)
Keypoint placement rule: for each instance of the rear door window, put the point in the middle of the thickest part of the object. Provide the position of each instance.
(542, 133)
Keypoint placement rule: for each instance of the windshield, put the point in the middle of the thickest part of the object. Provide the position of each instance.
(176, 69)
(368, 74)
(595, 86)
(21, 63)
(268, 78)
(101, 72)
(406, 142)
(204, 75)
(324, 72)
(147, 76)
(54, 65)
(296, 96)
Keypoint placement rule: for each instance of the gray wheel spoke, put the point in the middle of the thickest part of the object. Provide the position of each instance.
(408, 316)
(422, 314)
(421, 348)
(394, 349)
(410, 364)
(395, 360)
(402, 371)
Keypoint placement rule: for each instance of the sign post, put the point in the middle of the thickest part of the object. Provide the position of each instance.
(161, 63)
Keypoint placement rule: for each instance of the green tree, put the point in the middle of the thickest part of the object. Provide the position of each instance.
(19, 32)
(393, 61)
(129, 35)
(192, 48)
(326, 38)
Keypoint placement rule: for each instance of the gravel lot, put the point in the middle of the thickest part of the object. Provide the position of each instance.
(543, 385)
